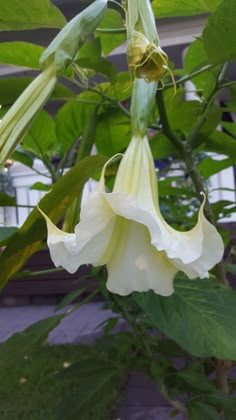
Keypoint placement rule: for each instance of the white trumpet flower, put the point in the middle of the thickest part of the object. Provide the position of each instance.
(125, 230)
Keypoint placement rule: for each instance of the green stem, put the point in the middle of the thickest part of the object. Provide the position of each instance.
(113, 4)
(102, 94)
(174, 403)
(137, 331)
(190, 76)
(111, 31)
(36, 273)
(228, 84)
(222, 366)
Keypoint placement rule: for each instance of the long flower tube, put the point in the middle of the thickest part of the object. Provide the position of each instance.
(20, 116)
(125, 230)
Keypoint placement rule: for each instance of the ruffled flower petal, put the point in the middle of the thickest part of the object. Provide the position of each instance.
(135, 265)
(90, 240)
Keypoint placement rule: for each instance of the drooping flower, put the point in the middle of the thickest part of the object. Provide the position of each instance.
(146, 58)
(125, 230)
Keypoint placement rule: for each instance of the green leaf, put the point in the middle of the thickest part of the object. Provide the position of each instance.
(111, 20)
(174, 8)
(6, 233)
(222, 208)
(41, 137)
(20, 54)
(7, 200)
(110, 324)
(196, 380)
(164, 190)
(100, 65)
(39, 186)
(120, 90)
(70, 297)
(29, 14)
(219, 33)
(209, 166)
(22, 156)
(92, 48)
(230, 127)
(231, 268)
(162, 147)
(196, 58)
(113, 133)
(221, 143)
(28, 238)
(199, 410)
(85, 368)
(221, 400)
(199, 316)
(12, 87)
(97, 379)
(70, 123)
(21, 344)
(183, 114)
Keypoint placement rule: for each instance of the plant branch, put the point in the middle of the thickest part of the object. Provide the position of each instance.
(222, 366)
(174, 403)
(190, 76)
(184, 149)
(193, 137)
(111, 31)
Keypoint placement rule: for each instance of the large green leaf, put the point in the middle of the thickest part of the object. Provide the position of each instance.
(221, 143)
(23, 156)
(173, 8)
(162, 147)
(183, 114)
(199, 316)
(196, 380)
(41, 137)
(113, 133)
(6, 200)
(28, 238)
(71, 121)
(196, 58)
(92, 48)
(219, 33)
(98, 379)
(5, 233)
(221, 400)
(21, 344)
(199, 410)
(209, 166)
(230, 127)
(100, 65)
(29, 14)
(20, 54)
(120, 90)
(109, 41)
(12, 87)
